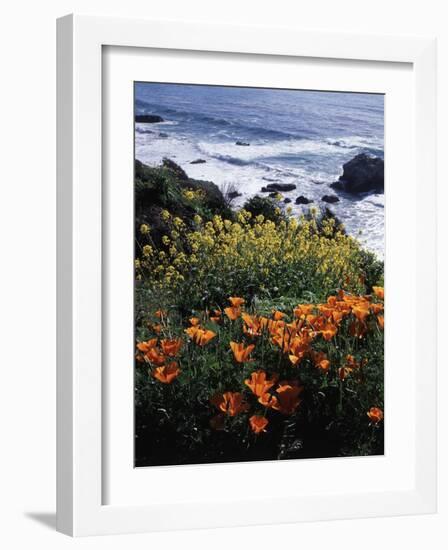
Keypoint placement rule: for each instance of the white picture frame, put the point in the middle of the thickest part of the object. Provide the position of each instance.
(81, 505)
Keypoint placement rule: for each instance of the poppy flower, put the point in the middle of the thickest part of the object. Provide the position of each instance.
(258, 383)
(303, 309)
(299, 347)
(194, 321)
(146, 346)
(160, 314)
(258, 423)
(231, 403)
(268, 400)
(232, 312)
(376, 308)
(343, 372)
(380, 319)
(277, 315)
(167, 373)
(351, 361)
(361, 312)
(171, 347)
(236, 302)
(337, 316)
(288, 397)
(320, 360)
(325, 310)
(252, 326)
(203, 337)
(155, 357)
(191, 331)
(375, 414)
(378, 291)
(199, 335)
(328, 332)
(240, 352)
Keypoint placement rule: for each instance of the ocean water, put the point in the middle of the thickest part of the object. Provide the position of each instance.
(300, 137)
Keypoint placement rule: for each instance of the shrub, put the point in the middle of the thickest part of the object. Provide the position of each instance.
(254, 257)
(264, 206)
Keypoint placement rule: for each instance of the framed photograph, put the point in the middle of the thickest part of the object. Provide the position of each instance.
(246, 276)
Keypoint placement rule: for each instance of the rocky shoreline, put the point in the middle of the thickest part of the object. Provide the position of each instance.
(362, 174)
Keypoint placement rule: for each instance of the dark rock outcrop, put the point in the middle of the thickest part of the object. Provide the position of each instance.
(362, 174)
(198, 161)
(242, 143)
(149, 119)
(162, 188)
(330, 198)
(278, 187)
(302, 200)
(287, 200)
(175, 168)
(234, 194)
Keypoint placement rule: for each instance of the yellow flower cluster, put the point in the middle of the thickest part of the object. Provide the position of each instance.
(193, 195)
(256, 246)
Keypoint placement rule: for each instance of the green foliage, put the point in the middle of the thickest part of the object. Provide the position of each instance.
(264, 206)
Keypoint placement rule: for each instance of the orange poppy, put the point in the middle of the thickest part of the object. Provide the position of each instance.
(191, 331)
(303, 309)
(160, 313)
(378, 291)
(252, 326)
(343, 372)
(200, 335)
(232, 312)
(325, 310)
(271, 325)
(171, 347)
(288, 397)
(337, 316)
(258, 423)
(329, 331)
(155, 357)
(146, 346)
(380, 319)
(320, 360)
(231, 403)
(240, 352)
(236, 302)
(361, 312)
(375, 414)
(299, 347)
(268, 400)
(351, 361)
(203, 336)
(258, 383)
(194, 321)
(376, 308)
(167, 373)
(277, 315)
